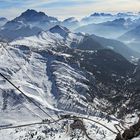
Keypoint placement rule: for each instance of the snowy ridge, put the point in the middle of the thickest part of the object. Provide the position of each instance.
(49, 74)
(55, 37)
(53, 74)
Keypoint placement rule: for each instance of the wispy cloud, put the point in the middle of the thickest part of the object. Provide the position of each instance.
(66, 8)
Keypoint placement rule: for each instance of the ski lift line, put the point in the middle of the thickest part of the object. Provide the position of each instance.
(16, 62)
(20, 68)
(23, 71)
(27, 108)
(26, 96)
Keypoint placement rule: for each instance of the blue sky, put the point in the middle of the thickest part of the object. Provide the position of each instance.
(67, 8)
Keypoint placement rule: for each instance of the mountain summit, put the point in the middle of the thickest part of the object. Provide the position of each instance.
(27, 24)
(32, 16)
(63, 31)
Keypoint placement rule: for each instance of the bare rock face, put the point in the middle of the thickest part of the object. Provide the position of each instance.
(130, 133)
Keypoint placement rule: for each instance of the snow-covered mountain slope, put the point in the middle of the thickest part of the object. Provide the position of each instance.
(62, 79)
(55, 37)
(47, 78)
(59, 36)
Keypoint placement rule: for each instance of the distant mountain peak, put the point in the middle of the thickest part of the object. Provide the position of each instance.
(120, 20)
(71, 19)
(31, 12)
(121, 14)
(100, 14)
(63, 31)
(31, 15)
(116, 22)
(3, 19)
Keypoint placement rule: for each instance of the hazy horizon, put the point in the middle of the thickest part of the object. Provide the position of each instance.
(77, 8)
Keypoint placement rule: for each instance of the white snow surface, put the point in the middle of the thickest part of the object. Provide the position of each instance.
(55, 37)
(56, 86)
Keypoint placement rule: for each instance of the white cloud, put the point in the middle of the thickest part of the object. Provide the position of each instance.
(100, 6)
(79, 10)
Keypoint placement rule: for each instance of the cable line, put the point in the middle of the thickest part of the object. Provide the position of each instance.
(27, 108)
(22, 70)
(17, 87)
(26, 96)
(31, 100)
